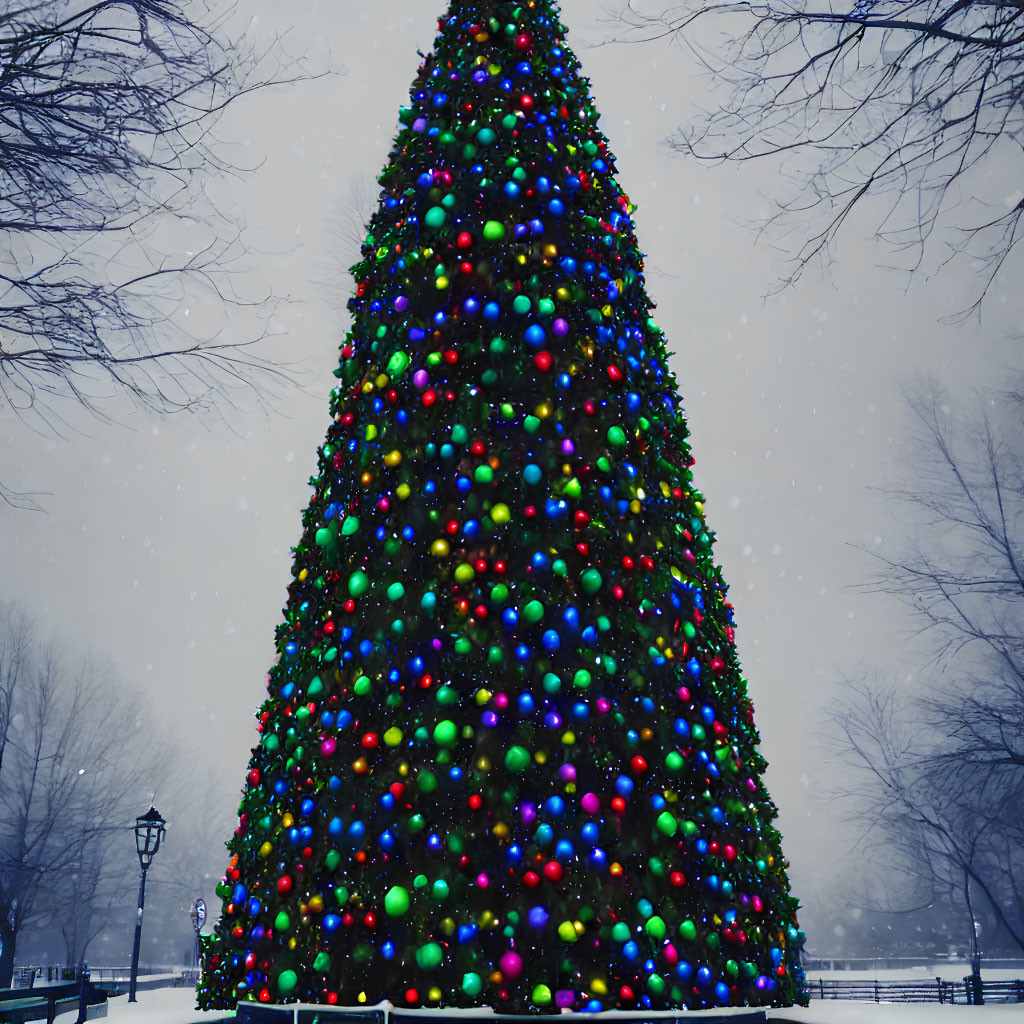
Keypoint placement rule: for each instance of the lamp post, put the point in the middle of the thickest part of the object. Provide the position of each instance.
(149, 831)
(198, 915)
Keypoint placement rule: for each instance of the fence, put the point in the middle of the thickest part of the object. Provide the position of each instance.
(27, 976)
(937, 991)
(953, 965)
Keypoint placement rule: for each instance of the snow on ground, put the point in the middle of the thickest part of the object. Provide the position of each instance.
(177, 1006)
(161, 1006)
(154, 1006)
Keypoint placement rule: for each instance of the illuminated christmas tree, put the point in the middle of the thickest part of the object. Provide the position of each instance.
(507, 758)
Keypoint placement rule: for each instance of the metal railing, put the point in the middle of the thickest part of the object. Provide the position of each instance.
(29, 975)
(936, 991)
(953, 964)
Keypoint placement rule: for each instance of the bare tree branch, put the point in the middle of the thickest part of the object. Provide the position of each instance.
(908, 102)
(108, 114)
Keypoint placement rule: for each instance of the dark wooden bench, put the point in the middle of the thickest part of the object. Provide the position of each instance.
(20, 1005)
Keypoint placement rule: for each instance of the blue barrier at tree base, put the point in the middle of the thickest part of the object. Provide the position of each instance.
(262, 1013)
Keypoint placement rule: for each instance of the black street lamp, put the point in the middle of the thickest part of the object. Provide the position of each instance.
(149, 831)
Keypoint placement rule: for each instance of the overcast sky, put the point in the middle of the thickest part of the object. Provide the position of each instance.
(167, 544)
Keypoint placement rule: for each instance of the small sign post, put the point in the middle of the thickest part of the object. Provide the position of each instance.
(198, 916)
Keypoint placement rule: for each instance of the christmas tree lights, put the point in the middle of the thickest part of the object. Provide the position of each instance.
(507, 758)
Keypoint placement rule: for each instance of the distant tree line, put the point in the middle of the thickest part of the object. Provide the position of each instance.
(81, 755)
(938, 762)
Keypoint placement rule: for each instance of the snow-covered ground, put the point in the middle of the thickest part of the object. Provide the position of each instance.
(154, 1006)
(177, 1006)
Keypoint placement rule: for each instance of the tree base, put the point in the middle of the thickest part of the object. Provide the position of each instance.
(308, 1013)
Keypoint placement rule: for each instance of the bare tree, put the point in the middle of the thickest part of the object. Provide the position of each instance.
(942, 762)
(932, 841)
(108, 110)
(346, 228)
(80, 758)
(959, 846)
(912, 102)
(16, 639)
(962, 571)
(96, 886)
